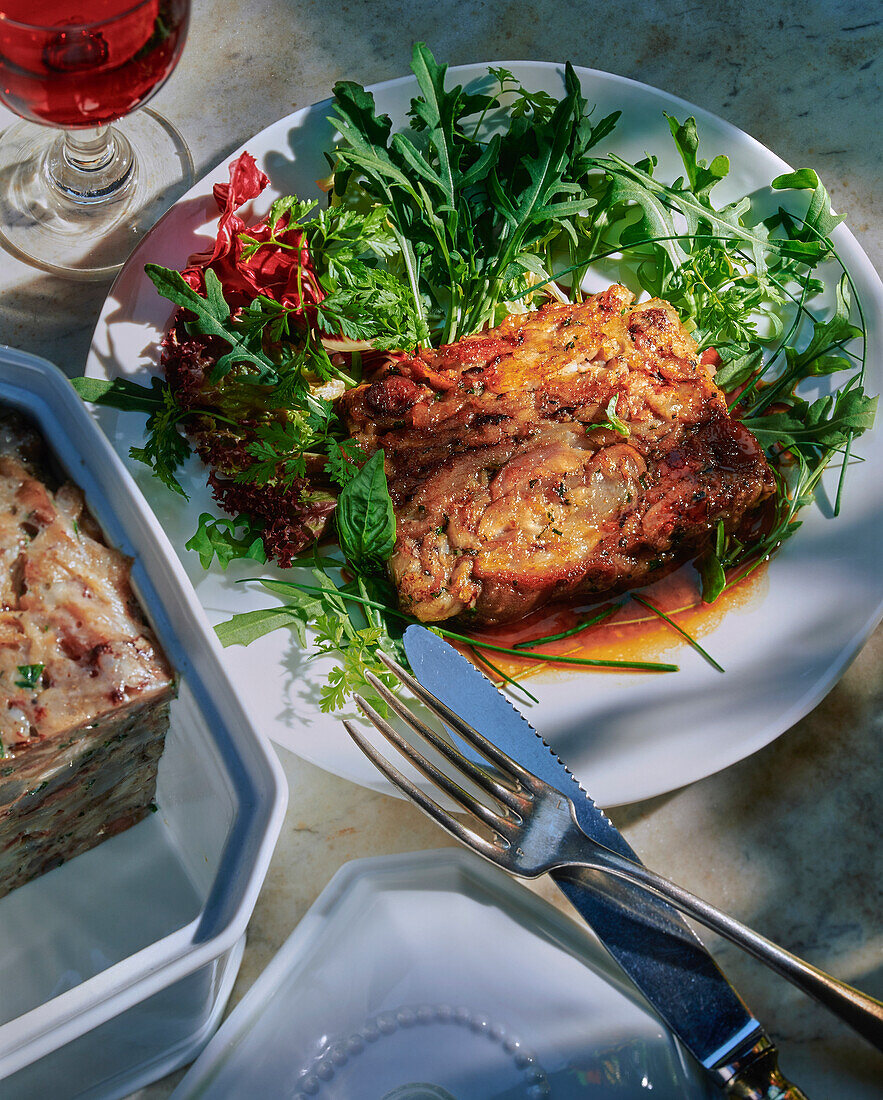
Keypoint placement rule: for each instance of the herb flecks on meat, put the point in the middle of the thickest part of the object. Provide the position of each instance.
(580, 450)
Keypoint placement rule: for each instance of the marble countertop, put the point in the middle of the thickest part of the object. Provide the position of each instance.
(789, 839)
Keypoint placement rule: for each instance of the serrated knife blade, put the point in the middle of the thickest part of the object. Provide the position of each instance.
(650, 941)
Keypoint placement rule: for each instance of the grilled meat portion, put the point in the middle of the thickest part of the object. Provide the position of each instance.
(578, 450)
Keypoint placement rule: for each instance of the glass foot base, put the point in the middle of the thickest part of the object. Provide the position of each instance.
(87, 240)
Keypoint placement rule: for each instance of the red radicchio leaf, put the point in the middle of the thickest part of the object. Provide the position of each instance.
(247, 181)
(286, 275)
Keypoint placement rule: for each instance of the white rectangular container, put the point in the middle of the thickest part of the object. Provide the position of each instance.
(115, 968)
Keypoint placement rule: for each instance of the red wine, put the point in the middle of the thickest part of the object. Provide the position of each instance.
(90, 64)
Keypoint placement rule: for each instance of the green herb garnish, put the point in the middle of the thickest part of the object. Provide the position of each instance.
(503, 676)
(30, 675)
(683, 633)
(366, 525)
(611, 421)
(484, 198)
(241, 629)
(593, 620)
(216, 538)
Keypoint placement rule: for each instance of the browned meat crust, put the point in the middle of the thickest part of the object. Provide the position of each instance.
(507, 496)
(84, 689)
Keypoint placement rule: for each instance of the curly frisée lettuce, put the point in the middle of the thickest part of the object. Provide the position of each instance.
(486, 201)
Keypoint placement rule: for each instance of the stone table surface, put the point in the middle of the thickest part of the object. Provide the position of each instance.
(789, 839)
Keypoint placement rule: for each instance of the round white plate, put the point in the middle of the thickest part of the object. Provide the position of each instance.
(626, 736)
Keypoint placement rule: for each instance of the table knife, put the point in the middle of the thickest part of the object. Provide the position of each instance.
(649, 940)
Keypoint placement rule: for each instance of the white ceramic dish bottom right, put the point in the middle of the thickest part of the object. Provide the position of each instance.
(433, 975)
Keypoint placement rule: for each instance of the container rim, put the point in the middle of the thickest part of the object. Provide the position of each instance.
(39, 389)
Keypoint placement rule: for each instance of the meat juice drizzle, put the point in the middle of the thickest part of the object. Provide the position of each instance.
(631, 634)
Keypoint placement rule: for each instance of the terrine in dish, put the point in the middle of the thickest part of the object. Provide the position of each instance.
(84, 687)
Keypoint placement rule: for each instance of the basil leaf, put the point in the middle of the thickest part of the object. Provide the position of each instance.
(366, 524)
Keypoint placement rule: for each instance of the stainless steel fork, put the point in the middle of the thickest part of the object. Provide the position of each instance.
(533, 830)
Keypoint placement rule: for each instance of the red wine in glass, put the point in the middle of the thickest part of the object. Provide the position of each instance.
(90, 67)
(75, 191)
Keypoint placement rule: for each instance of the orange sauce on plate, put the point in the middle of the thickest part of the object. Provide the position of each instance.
(631, 633)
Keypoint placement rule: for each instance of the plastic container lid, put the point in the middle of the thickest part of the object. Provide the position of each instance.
(434, 976)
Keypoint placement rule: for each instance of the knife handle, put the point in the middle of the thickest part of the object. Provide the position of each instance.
(758, 1077)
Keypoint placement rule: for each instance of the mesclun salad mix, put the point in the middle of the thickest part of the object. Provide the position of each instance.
(485, 203)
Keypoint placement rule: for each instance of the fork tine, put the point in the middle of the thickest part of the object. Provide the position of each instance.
(428, 805)
(449, 786)
(480, 776)
(450, 718)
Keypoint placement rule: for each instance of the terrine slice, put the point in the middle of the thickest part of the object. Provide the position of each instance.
(84, 687)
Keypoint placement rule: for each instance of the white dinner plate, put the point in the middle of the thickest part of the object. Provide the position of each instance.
(627, 736)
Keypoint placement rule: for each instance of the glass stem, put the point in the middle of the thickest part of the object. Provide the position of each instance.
(91, 166)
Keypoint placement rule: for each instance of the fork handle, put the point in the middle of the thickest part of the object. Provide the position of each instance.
(862, 1013)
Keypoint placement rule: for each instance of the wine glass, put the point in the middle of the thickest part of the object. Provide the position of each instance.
(75, 192)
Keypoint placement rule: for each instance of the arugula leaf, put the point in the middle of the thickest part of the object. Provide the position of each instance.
(216, 537)
(212, 318)
(248, 626)
(825, 423)
(815, 359)
(828, 335)
(466, 211)
(702, 176)
(638, 185)
(122, 393)
(656, 221)
(820, 220)
(365, 519)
